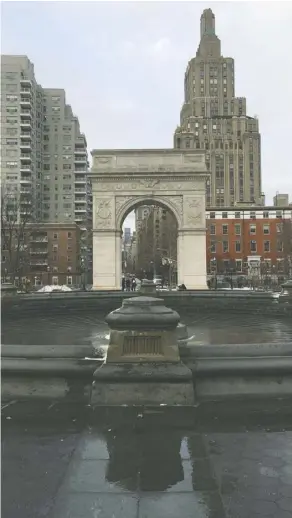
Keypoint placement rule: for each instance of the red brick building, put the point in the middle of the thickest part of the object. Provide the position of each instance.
(252, 241)
(47, 253)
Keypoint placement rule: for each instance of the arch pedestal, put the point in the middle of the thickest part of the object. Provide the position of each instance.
(121, 181)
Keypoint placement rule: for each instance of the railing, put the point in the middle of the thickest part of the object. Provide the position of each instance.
(39, 239)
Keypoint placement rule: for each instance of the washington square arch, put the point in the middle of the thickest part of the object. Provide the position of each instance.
(122, 180)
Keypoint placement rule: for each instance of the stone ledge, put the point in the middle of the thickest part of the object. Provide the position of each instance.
(143, 372)
(58, 367)
(195, 350)
(47, 351)
(246, 366)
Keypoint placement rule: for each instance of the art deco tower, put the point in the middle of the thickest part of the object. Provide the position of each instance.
(213, 119)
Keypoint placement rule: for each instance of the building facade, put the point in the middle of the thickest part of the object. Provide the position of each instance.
(156, 240)
(44, 160)
(46, 253)
(252, 241)
(244, 241)
(214, 119)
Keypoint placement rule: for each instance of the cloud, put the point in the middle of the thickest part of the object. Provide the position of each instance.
(120, 106)
(161, 49)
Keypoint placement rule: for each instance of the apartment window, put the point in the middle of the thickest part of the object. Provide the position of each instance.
(66, 167)
(69, 248)
(69, 280)
(11, 98)
(225, 246)
(224, 215)
(279, 227)
(237, 215)
(267, 247)
(55, 280)
(11, 142)
(69, 235)
(252, 215)
(265, 214)
(253, 246)
(55, 236)
(55, 98)
(252, 229)
(46, 137)
(266, 229)
(212, 215)
(69, 259)
(237, 230)
(225, 230)
(55, 248)
(278, 214)
(11, 120)
(11, 165)
(237, 246)
(213, 247)
(212, 230)
(55, 108)
(11, 109)
(11, 87)
(279, 246)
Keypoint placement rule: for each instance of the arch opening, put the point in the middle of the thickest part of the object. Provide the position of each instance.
(149, 242)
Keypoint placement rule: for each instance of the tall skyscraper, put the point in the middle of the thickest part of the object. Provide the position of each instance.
(44, 161)
(213, 119)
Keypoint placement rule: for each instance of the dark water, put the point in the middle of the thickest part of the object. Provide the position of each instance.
(90, 328)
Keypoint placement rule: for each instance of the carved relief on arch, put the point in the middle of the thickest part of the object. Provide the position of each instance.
(124, 204)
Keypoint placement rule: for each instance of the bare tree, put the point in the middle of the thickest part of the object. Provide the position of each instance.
(15, 217)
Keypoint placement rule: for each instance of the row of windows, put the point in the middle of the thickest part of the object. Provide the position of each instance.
(250, 215)
(238, 246)
(252, 229)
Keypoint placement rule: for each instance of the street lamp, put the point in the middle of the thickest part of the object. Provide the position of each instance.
(49, 271)
(214, 270)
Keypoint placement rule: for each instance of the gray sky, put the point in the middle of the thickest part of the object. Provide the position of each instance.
(122, 65)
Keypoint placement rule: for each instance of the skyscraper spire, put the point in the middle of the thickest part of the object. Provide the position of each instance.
(210, 45)
(207, 23)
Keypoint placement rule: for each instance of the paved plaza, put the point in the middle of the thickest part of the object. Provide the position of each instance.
(65, 462)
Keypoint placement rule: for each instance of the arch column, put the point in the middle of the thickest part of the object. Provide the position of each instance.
(107, 259)
(191, 255)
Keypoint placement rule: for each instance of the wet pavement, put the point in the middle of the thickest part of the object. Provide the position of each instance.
(211, 462)
(73, 329)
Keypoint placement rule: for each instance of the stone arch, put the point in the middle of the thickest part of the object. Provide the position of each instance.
(132, 202)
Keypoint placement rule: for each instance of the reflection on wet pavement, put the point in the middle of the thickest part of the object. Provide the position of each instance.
(69, 329)
(136, 464)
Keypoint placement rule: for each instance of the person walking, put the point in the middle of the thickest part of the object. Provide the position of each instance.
(134, 284)
(128, 284)
(123, 283)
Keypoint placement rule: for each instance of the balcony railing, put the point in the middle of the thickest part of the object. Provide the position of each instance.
(39, 239)
(38, 251)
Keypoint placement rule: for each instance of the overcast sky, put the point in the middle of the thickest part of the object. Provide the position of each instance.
(122, 65)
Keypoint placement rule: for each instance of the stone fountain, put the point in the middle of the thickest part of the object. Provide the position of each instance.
(143, 365)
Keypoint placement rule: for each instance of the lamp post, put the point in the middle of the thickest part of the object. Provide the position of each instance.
(214, 270)
(49, 271)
